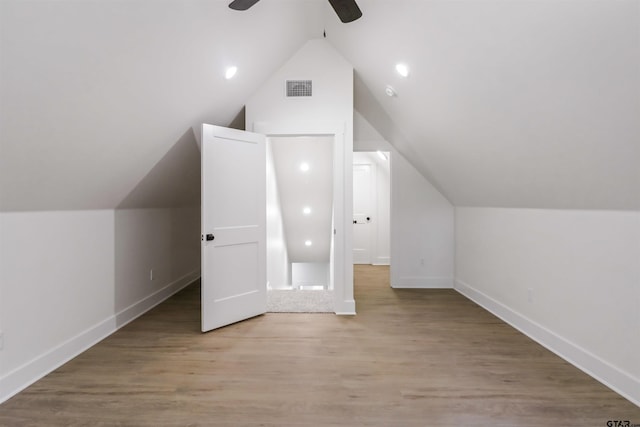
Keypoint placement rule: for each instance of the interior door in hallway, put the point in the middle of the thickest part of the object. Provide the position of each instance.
(234, 280)
(362, 213)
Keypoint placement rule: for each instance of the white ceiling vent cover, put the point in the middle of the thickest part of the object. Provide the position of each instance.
(299, 88)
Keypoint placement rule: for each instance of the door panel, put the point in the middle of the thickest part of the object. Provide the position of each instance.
(235, 163)
(239, 262)
(362, 213)
(234, 215)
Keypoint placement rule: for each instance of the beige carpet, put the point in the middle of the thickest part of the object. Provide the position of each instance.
(299, 301)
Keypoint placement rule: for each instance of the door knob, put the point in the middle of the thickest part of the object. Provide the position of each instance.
(368, 218)
(355, 222)
(210, 237)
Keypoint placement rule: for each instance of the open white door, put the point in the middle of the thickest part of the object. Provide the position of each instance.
(234, 279)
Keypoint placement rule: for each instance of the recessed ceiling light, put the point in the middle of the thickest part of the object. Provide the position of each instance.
(231, 71)
(402, 69)
(304, 166)
(390, 91)
(306, 210)
(308, 243)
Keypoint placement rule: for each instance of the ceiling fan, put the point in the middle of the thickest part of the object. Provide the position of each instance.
(347, 10)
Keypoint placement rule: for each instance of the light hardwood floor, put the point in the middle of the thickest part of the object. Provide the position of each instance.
(409, 358)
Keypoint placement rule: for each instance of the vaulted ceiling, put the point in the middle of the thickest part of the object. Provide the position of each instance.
(95, 94)
(508, 102)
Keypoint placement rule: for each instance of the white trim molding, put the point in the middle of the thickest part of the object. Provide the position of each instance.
(616, 379)
(342, 199)
(35, 369)
(346, 308)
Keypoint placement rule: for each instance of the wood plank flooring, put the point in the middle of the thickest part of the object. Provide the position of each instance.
(409, 358)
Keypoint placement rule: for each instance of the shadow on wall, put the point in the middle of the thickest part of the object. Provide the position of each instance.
(174, 181)
(239, 121)
(157, 231)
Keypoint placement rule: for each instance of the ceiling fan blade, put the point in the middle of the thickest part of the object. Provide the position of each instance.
(347, 10)
(242, 4)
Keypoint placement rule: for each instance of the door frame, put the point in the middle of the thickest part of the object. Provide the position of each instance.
(341, 270)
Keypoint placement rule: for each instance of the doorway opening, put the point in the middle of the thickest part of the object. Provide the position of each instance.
(372, 208)
(340, 277)
(300, 223)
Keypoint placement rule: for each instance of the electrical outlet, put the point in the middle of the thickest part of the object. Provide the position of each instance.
(530, 295)
(151, 274)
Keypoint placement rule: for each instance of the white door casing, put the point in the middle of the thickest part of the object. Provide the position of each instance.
(341, 273)
(363, 210)
(233, 226)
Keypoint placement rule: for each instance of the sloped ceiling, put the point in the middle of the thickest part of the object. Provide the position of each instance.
(94, 94)
(514, 103)
(508, 103)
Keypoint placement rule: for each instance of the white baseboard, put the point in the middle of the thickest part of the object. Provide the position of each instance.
(139, 308)
(616, 379)
(30, 372)
(346, 308)
(418, 282)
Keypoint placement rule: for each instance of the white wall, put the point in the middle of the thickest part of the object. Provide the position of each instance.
(331, 104)
(57, 280)
(310, 273)
(70, 278)
(422, 220)
(165, 240)
(332, 99)
(423, 224)
(278, 266)
(381, 221)
(569, 279)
